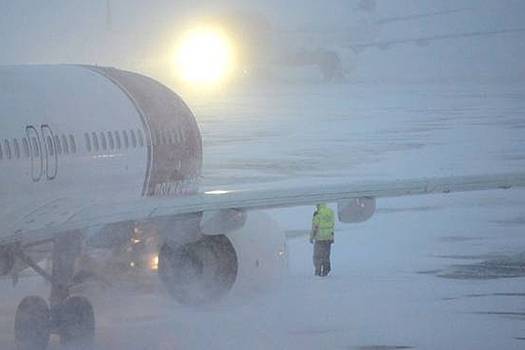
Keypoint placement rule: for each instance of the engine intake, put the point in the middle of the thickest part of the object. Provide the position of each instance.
(198, 272)
(356, 210)
(249, 260)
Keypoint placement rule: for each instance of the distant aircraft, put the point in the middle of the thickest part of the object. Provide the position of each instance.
(325, 48)
(271, 50)
(426, 40)
(86, 152)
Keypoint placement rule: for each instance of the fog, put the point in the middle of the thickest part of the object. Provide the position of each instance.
(140, 36)
(427, 272)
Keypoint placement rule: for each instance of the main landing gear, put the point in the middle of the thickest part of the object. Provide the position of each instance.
(70, 317)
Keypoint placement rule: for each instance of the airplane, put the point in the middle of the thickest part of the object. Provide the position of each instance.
(88, 151)
(330, 51)
(426, 40)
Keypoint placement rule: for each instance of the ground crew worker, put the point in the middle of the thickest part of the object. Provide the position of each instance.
(322, 235)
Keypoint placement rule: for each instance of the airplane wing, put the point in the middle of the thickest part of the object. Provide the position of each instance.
(417, 16)
(95, 214)
(422, 41)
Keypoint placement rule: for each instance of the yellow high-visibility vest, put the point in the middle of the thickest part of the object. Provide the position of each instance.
(323, 224)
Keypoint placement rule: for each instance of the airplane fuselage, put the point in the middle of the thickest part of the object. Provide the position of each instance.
(71, 135)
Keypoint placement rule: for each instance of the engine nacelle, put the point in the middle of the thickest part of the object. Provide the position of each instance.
(246, 260)
(222, 222)
(198, 272)
(7, 261)
(356, 210)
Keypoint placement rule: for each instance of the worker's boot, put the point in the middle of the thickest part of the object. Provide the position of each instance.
(326, 269)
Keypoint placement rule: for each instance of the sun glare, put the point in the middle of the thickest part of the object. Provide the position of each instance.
(204, 56)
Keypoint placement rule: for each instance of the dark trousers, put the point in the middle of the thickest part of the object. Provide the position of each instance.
(322, 257)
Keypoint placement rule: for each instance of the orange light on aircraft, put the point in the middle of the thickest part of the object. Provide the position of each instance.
(154, 265)
(204, 56)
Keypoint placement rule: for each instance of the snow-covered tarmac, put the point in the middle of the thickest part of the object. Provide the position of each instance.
(430, 272)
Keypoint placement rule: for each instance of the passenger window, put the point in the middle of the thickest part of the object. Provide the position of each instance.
(158, 138)
(7, 148)
(141, 138)
(169, 137)
(16, 147)
(65, 145)
(26, 147)
(163, 137)
(88, 142)
(111, 142)
(117, 140)
(36, 148)
(177, 136)
(1, 152)
(73, 144)
(103, 141)
(95, 141)
(133, 139)
(126, 140)
(57, 144)
(50, 148)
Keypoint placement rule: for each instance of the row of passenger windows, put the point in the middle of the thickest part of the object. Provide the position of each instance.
(115, 140)
(94, 142)
(16, 149)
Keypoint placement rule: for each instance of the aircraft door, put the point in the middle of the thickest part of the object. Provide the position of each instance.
(50, 157)
(35, 151)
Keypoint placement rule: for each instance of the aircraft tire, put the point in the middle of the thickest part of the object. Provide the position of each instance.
(77, 323)
(32, 325)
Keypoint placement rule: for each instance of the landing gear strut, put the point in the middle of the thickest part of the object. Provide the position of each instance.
(70, 317)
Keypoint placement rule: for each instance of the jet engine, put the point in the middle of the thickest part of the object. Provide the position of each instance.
(205, 270)
(222, 222)
(7, 261)
(356, 210)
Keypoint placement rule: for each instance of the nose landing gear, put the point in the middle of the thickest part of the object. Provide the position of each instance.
(70, 317)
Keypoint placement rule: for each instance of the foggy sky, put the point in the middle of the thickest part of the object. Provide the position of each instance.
(141, 33)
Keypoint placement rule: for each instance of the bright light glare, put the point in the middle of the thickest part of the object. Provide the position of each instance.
(216, 192)
(155, 263)
(204, 56)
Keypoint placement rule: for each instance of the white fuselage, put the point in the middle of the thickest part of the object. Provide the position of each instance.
(70, 135)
